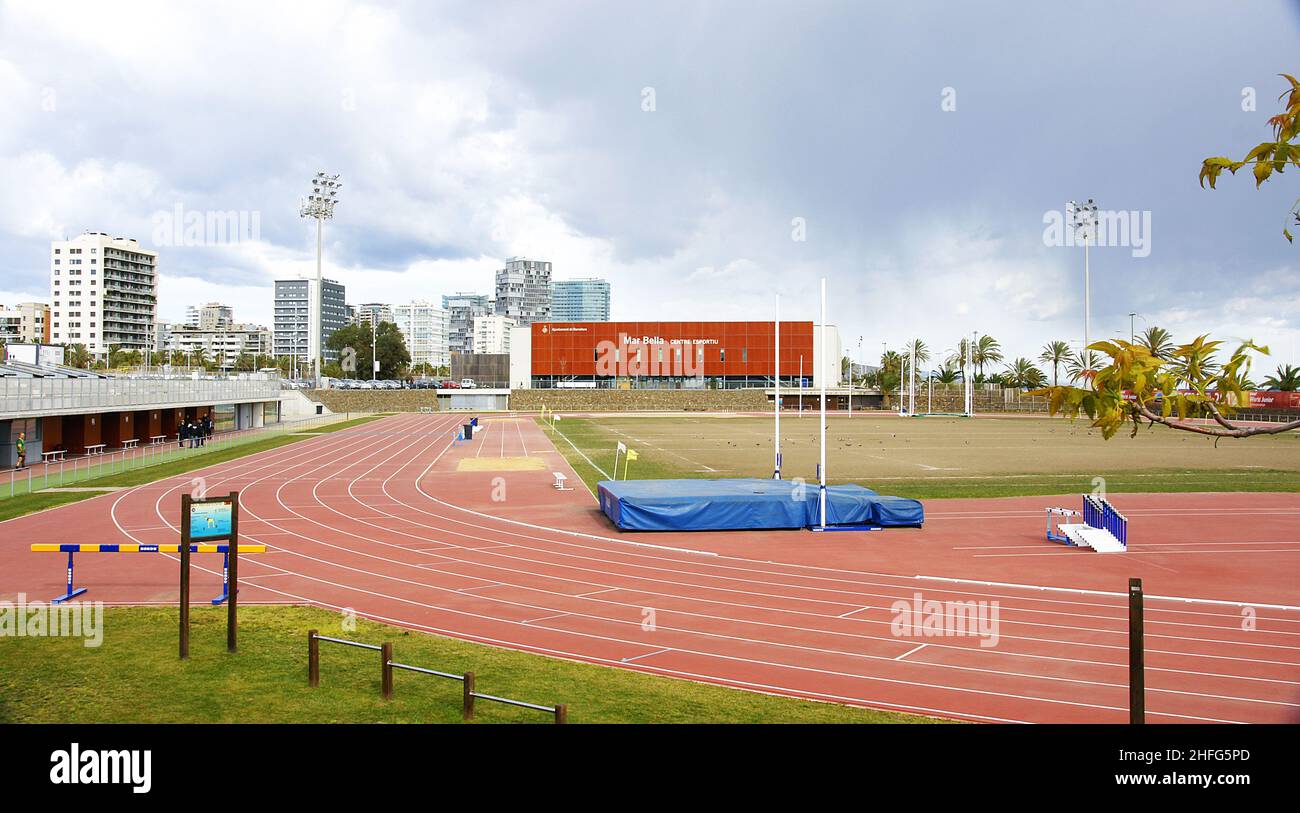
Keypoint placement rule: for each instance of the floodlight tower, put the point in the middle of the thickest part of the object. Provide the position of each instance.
(319, 205)
(1083, 219)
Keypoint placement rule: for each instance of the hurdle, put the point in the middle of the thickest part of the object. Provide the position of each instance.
(1056, 517)
(72, 549)
(1103, 528)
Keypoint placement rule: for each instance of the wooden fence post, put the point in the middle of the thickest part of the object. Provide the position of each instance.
(313, 659)
(386, 671)
(467, 710)
(1137, 712)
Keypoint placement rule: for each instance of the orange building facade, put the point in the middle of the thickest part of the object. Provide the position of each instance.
(668, 355)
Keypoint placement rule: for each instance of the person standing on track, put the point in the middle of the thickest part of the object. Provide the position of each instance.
(21, 448)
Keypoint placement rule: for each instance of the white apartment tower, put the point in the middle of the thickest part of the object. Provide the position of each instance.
(492, 333)
(103, 292)
(424, 328)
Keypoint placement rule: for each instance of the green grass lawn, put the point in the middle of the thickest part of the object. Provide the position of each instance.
(934, 458)
(135, 676)
(40, 500)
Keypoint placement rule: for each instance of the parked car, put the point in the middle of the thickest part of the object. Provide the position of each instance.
(468, 383)
(448, 384)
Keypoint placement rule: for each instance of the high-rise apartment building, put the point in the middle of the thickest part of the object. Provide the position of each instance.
(34, 325)
(214, 316)
(293, 316)
(373, 313)
(492, 333)
(523, 290)
(462, 309)
(26, 323)
(103, 292)
(424, 329)
(580, 300)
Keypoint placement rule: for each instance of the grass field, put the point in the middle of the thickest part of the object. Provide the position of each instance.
(135, 676)
(934, 457)
(40, 500)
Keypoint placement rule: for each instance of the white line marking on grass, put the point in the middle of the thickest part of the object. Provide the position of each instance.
(910, 651)
(584, 455)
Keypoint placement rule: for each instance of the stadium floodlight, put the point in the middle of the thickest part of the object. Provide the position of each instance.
(319, 205)
(1082, 218)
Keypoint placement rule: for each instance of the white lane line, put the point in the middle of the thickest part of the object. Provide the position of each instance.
(1153, 597)
(520, 432)
(917, 648)
(646, 655)
(853, 612)
(1137, 553)
(475, 587)
(598, 592)
(546, 618)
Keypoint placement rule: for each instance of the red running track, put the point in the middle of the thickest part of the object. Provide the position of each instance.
(383, 519)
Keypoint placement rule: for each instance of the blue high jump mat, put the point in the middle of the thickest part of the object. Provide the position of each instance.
(749, 504)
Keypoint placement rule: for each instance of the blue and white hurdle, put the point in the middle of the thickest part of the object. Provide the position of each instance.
(82, 547)
(1104, 528)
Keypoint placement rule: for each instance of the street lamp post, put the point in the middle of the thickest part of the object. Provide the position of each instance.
(319, 205)
(1083, 219)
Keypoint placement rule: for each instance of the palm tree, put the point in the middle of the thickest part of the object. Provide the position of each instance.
(1022, 373)
(1055, 353)
(1158, 341)
(890, 373)
(1287, 379)
(922, 352)
(948, 373)
(1077, 368)
(76, 355)
(987, 351)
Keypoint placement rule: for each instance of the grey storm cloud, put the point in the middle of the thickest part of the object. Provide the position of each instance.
(466, 133)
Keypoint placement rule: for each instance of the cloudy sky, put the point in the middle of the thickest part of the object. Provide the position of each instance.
(701, 156)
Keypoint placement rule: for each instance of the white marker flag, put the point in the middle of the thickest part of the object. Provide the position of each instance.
(622, 447)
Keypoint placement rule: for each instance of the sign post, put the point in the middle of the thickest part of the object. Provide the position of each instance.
(186, 502)
(210, 519)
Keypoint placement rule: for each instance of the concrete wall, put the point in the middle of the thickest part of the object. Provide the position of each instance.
(374, 400)
(295, 405)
